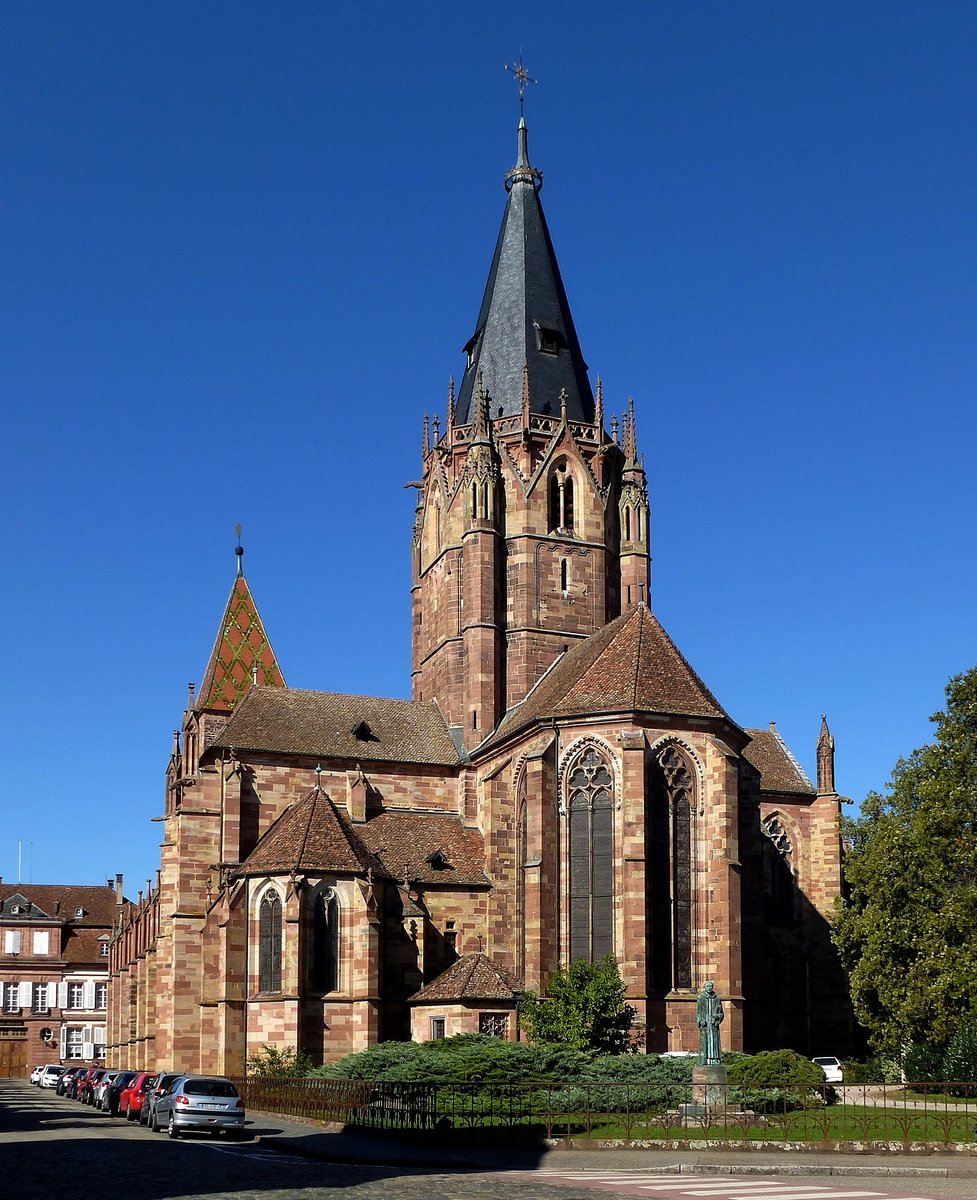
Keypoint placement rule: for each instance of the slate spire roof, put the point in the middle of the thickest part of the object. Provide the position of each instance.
(631, 665)
(242, 654)
(524, 325)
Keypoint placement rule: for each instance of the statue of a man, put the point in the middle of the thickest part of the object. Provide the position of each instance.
(709, 1016)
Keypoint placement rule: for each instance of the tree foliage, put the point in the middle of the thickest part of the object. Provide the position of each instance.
(583, 1008)
(279, 1062)
(905, 932)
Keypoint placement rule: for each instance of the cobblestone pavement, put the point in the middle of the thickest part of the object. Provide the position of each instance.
(50, 1147)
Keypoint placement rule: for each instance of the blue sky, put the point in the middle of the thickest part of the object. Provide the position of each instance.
(243, 245)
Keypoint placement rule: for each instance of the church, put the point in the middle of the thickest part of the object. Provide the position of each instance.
(339, 870)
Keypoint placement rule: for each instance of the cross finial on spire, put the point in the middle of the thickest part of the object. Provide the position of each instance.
(239, 550)
(522, 77)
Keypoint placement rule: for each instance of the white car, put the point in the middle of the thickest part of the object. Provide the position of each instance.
(831, 1068)
(36, 1075)
(49, 1076)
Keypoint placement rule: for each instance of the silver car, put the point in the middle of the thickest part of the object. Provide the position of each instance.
(207, 1102)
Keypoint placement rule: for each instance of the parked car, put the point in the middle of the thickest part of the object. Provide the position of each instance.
(103, 1085)
(36, 1075)
(161, 1083)
(50, 1075)
(204, 1102)
(133, 1094)
(113, 1093)
(832, 1069)
(78, 1087)
(66, 1079)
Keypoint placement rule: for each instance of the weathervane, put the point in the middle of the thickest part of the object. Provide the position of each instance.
(522, 77)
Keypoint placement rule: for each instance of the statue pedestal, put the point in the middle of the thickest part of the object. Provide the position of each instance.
(708, 1093)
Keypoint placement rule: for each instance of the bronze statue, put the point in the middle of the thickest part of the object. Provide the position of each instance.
(709, 1016)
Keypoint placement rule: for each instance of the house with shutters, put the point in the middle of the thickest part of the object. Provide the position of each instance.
(562, 784)
(54, 972)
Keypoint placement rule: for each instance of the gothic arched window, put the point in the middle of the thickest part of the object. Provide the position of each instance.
(324, 956)
(522, 858)
(779, 888)
(270, 943)
(591, 857)
(560, 511)
(670, 868)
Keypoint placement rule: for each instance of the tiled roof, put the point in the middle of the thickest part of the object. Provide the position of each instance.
(310, 835)
(242, 654)
(62, 901)
(405, 842)
(59, 902)
(474, 977)
(779, 769)
(322, 724)
(631, 665)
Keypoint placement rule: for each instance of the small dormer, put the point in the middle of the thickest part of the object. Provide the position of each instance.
(80, 913)
(363, 733)
(438, 860)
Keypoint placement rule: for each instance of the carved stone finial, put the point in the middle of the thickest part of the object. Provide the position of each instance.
(426, 438)
(525, 396)
(599, 408)
(826, 759)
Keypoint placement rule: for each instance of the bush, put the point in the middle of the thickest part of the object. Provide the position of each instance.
(583, 1007)
(280, 1062)
(923, 1063)
(960, 1060)
(876, 1069)
(776, 1081)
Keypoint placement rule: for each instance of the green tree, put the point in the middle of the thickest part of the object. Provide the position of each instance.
(906, 931)
(583, 1007)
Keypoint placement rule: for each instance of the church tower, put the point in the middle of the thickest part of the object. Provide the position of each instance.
(531, 530)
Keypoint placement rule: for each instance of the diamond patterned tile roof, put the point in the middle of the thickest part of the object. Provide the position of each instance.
(331, 725)
(242, 654)
(779, 769)
(473, 977)
(631, 665)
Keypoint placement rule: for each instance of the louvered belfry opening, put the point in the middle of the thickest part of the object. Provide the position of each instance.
(669, 822)
(590, 807)
(270, 943)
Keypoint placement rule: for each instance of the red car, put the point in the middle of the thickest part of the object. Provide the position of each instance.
(133, 1095)
(85, 1091)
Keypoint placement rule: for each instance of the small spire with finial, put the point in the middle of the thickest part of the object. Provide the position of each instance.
(525, 396)
(318, 777)
(630, 445)
(450, 420)
(522, 172)
(239, 550)
(599, 409)
(614, 428)
(563, 405)
(436, 429)
(426, 439)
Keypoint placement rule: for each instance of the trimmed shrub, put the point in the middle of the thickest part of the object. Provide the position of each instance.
(923, 1063)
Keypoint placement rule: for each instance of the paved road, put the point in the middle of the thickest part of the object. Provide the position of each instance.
(51, 1147)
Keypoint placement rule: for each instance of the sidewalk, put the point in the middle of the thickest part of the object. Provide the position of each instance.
(329, 1144)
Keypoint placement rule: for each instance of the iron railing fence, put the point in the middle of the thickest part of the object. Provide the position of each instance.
(862, 1114)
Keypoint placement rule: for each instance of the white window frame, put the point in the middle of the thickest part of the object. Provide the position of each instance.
(101, 996)
(42, 942)
(42, 996)
(75, 998)
(11, 997)
(75, 1044)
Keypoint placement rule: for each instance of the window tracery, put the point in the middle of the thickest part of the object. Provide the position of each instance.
(270, 943)
(590, 808)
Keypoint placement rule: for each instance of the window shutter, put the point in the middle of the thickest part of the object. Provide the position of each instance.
(24, 995)
(62, 995)
(88, 995)
(52, 993)
(98, 1034)
(42, 941)
(63, 1041)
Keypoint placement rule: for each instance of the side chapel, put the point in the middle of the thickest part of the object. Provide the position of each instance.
(339, 870)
